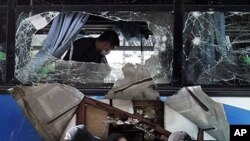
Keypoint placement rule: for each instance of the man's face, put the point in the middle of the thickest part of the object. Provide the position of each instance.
(106, 48)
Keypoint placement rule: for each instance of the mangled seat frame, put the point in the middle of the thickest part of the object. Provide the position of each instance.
(97, 122)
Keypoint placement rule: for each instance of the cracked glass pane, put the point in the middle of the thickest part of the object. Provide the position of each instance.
(216, 48)
(26, 60)
(145, 38)
(160, 24)
(3, 27)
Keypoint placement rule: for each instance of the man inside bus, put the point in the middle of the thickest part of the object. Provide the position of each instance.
(94, 49)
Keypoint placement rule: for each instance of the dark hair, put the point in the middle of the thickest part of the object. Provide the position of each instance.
(111, 37)
(115, 137)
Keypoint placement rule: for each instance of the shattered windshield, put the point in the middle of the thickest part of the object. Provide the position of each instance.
(145, 39)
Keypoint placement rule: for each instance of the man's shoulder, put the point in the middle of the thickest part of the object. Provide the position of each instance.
(85, 44)
(89, 39)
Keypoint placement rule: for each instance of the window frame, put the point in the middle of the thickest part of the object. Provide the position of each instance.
(165, 90)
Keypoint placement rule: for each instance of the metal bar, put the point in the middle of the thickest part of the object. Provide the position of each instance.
(135, 48)
(243, 8)
(130, 85)
(200, 135)
(4, 89)
(11, 24)
(163, 90)
(170, 90)
(202, 105)
(143, 8)
(210, 91)
(94, 8)
(178, 42)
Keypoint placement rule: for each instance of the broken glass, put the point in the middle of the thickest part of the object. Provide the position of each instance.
(160, 24)
(26, 63)
(154, 52)
(137, 84)
(216, 48)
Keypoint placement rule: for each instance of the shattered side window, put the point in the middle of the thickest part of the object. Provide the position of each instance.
(28, 66)
(150, 46)
(216, 48)
(3, 27)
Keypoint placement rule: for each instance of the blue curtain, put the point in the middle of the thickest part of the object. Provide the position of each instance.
(63, 31)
